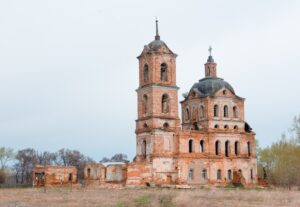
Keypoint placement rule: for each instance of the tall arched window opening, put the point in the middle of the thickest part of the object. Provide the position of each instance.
(249, 148)
(217, 147)
(146, 73)
(204, 174)
(145, 104)
(229, 175)
(235, 113)
(216, 110)
(187, 114)
(201, 111)
(144, 148)
(191, 146)
(202, 146)
(225, 111)
(236, 148)
(164, 72)
(219, 175)
(165, 104)
(227, 148)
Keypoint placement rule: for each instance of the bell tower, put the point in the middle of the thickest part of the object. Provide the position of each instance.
(157, 100)
(210, 66)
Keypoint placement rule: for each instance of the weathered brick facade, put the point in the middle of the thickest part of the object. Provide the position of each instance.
(53, 175)
(214, 144)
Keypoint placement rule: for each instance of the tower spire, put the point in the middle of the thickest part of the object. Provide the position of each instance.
(157, 37)
(210, 58)
(210, 66)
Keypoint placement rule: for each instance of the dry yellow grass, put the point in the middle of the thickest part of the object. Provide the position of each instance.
(213, 197)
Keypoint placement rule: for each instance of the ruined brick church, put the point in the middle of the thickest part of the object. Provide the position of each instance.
(211, 144)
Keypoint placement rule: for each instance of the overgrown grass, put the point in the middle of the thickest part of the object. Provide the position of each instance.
(150, 197)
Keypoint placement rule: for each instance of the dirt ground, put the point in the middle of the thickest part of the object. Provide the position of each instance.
(152, 197)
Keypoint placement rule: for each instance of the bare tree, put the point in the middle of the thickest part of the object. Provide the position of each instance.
(6, 154)
(27, 159)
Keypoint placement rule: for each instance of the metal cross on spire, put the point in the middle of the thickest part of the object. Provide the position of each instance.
(209, 50)
(157, 37)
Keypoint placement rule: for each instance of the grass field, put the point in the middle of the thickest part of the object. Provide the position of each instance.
(212, 197)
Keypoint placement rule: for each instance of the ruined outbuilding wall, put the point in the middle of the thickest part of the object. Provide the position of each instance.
(54, 175)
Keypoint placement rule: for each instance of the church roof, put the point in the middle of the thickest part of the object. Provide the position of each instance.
(208, 86)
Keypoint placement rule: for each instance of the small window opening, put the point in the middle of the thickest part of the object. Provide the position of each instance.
(202, 146)
(236, 148)
(145, 104)
(235, 114)
(229, 175)
(166, 125)
(191, 146)
(216, 126)
(204, 174)
(164, 72)
(225, 111)
(146, 73)
(217, 147)
(165, 103)
(201, 111)
(249, 148)
(187, 114)
(144, 148)
(227, 148)
(219, 175)
(226, 126)
(216, 110)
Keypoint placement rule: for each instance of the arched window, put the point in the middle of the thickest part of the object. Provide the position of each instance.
(187, 114)
(227, 148)
(226, 126)
(146, 73)
(249, 148)
(166, 125)
(204, 174)
(144, 148)
(236, 148)
(225, 111)
(164, 72)
(235, 127)
(145, 125)
(216, 110)
(219, 174)
(165, 104)
(145, 104)
(201, 111)
(216, 126)
(229, 175)
(235, 113)
(217, 147)
(202, 146)
(251, 174)
(191, 146)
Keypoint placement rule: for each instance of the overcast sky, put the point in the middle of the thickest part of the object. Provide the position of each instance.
(68, 68)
